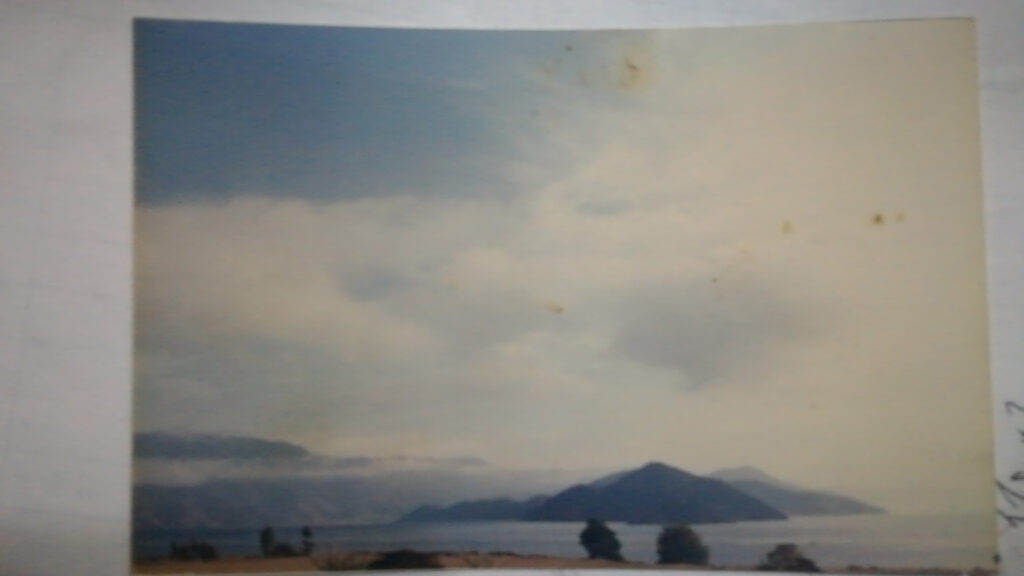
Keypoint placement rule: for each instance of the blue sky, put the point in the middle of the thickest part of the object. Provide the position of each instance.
(572, 250)
(225, 109)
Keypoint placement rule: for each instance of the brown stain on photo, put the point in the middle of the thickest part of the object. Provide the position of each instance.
(787, 228)
(879, 218)
(632, 74)
(629, 68)
(636, 70)
(550, 69)
(553, 307)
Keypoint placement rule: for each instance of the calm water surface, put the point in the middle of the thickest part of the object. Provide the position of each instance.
(880, 540)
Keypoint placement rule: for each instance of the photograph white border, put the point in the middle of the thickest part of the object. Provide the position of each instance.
(66, 231)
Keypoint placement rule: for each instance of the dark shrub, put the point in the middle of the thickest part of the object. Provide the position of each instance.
(205, 551)
(194, 550)
(406, 560)
(787, 558)
(283, 550)
(681, 545)
(600, 541)
(267, 540)
(307, 541)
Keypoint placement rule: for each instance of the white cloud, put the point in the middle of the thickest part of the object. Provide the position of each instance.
(700, 281)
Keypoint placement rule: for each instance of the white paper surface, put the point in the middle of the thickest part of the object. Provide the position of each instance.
(66, 234)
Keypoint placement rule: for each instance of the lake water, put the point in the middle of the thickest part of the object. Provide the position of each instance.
(879, 540)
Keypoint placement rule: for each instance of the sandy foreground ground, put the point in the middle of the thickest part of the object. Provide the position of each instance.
(456, 561)
(227, 566)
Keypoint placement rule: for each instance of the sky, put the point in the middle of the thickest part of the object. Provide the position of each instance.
(572, 250)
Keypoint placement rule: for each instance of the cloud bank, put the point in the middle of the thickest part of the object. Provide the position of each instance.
(708, 248)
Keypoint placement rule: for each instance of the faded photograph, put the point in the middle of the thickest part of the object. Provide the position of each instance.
(686, 299)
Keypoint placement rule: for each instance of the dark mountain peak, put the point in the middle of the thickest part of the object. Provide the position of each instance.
(657, 468)
(652, 494)
(651, 469)
(653, 474)
(660, 468)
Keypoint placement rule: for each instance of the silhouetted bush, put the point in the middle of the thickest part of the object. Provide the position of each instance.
(195, 550)
(271, 548)
(267, 541)
(406, 560)
(283, 550)
(681, 545)
(600, 541)
(307, 541)
(787, 558)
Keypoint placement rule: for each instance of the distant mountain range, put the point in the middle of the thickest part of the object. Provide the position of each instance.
(477, 510)
(658, 494)
(790, 499)
(241, 502)
(187, 482)
(209, 481)
(750, 474)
